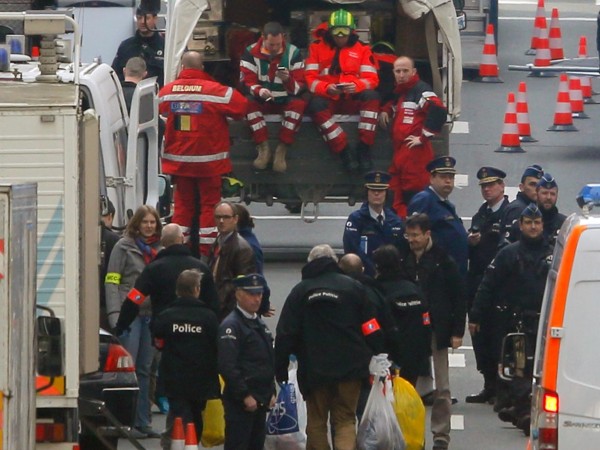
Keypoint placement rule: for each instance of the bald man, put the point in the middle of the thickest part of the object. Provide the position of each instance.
(196, 151)
(158, 279)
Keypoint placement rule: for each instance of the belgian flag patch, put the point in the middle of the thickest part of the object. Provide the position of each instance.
(183, 122)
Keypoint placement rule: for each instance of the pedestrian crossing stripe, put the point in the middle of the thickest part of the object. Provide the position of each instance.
(457, 422)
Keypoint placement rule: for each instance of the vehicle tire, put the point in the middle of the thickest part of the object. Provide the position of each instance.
(91, 442)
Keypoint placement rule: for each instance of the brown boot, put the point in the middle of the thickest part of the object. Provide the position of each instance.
(264, 156)
(279, 164)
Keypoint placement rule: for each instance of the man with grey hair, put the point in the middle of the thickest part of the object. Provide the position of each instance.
(134, 72)
(329, 324)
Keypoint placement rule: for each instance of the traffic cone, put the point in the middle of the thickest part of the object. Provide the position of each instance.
(576, 97)
(488, 68)
(555, 37)
(191, 440)
(539, 23)
(586, 90)
(582, 53)
(542, 56)
(177, 435)
(563, 120)
(510, 133)
(523, 115)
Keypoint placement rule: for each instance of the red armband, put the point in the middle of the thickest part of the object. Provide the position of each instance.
(370, 327)
(426, 319)
(136, 296)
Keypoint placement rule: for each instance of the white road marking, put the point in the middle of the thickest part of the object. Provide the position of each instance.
(460, 127)
(457, 422)
(465, 347)
(457, 360)
(461, 180)
(562, 19)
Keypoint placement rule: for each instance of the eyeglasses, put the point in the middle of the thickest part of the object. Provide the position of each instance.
(223, 216)
(340, 31)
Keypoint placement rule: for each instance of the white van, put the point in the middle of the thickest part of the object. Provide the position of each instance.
(565, 411)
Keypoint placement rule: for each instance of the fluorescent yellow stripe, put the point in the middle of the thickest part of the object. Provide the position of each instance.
(113, 278)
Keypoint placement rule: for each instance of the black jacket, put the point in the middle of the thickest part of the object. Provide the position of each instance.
(553, 220)
(188, 366)
(437, 275)
(150, 49)
(246, 360)
(329, 324)
(158, 281)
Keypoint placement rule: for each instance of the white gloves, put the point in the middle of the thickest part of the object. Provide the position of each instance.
(380, 365)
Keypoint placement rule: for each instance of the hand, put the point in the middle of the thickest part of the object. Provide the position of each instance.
(474, 328)
(265, 94)
(350, 88)
(413, 141)
(455, 342)
(272, 401)
(269, 313)
(333, 90)
(384, 120)
(474, 238)
(250, 404)
(379, 365)
(284, 74)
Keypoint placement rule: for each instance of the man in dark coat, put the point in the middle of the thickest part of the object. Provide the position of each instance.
(186, 332)
(485, 239)
(246, 363)
(527, 194)
(428, 265)
(108, 239)
(329, 324)
(447, 228)
(374, 224)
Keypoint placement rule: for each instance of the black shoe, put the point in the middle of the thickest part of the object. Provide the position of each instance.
(439, 444)
(349, 160)
(501, 403)
(149, 432)
(508, 415)
(428, 399)
(483, 396)
(365, 162)
(524, 424)
(453, 400)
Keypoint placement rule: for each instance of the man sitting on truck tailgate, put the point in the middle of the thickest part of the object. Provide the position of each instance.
(416, 114)
(341, 71)
(272, 76)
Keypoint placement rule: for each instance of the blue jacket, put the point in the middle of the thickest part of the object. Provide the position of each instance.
(361, 224)
(446, 226)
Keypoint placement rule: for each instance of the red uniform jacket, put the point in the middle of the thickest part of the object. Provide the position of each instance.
(197, 134)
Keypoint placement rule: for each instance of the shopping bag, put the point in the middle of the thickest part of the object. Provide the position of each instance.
(213, 419)
(410, 413)
(283, 428)
(378, 428)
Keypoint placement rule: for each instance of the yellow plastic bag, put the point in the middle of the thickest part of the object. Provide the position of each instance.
(213, 422)
(410, 413)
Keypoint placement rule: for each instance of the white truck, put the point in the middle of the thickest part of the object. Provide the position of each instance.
(66, 127)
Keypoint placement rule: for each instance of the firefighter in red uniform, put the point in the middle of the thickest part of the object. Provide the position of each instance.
(272, 76)
(417, 114)
(196, 149)
(341, 72)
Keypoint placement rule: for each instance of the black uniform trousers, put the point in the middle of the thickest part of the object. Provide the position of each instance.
(244, 430)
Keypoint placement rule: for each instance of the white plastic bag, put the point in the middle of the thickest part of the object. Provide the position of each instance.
(378, 428)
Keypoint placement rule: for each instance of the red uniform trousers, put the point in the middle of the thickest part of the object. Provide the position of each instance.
(409, 175)
(322, 109)
(292, 112)
(209, 190)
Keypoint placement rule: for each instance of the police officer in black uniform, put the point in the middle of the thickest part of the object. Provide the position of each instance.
(246, 362)
(511, 292)
(145, 43)
(527, 194)
(485, 239)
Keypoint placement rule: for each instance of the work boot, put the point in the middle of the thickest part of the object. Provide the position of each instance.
(279, 164)
(364, 157)
(484, 396)
(349, 160)
(524, 424)
(508, 415)
(264, 156)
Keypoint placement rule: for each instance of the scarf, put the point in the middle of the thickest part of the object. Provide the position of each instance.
(145, 246)
(403, 88)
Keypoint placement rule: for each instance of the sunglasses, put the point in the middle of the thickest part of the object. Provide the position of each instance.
(341, 31)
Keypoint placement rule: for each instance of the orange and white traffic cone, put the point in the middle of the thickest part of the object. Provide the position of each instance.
(555, 37)
(177, 435)
(576, 97)
(542, 56)
(510, 142)
(488, 68)
(191, 440)
(563, 120)
(523, 115)
(586, 90)
(539, 23)
(582, 52)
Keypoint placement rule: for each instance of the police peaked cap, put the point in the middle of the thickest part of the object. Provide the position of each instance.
(443, 164)
(535, 170)
(377, 180)
(531, 212)
(253, 282)
(490, 174)
(547, 182)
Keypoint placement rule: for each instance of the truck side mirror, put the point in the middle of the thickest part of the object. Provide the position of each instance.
(514, 356)
(49, 355)
(461, 19)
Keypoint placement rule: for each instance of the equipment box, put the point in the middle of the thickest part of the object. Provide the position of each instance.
(205, 38)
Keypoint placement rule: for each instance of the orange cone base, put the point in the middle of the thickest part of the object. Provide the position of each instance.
(579, 115)
(527, 139)
(509, 149)
(542, 74)
(562, 128)
(530, 52)
(488, 80)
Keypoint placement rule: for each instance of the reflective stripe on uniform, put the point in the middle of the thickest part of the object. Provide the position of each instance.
(199, 97)
(369, 114)
(368, 69)
(113, 278)
(335, 133)
(311, 67)
(249, 66)
(254, 115)
(366, 126)
(196, 158)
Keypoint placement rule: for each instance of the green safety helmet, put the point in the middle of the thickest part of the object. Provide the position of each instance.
(341, 19)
